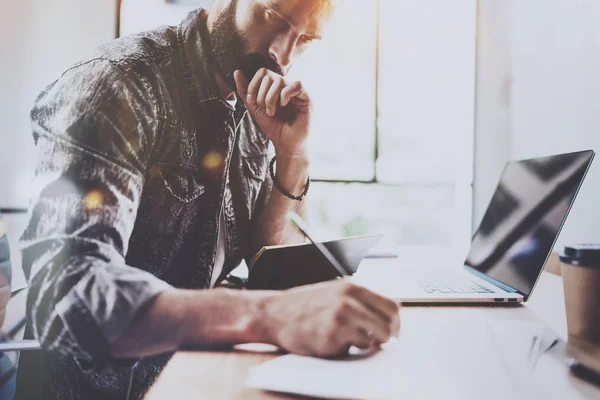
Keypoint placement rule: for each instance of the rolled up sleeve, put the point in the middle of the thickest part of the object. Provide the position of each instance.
(94, 130)
(5, 267)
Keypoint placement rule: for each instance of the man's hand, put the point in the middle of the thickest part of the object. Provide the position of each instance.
(326, 319)
(280, 108)
(319, 320)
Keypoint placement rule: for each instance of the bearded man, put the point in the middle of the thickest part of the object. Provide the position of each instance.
(153, 184)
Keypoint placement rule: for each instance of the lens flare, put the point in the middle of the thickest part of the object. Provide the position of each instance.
(154, 171)
(93, 200)
(212, 161)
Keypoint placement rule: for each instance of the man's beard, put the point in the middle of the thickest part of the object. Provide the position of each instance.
(227, 43)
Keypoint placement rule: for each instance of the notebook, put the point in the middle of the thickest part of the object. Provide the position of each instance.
(287, 266)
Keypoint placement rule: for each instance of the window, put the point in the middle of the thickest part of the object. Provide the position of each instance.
(340, 74)
(392, 144)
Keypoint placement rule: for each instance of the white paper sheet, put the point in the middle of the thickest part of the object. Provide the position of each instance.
(426, 362)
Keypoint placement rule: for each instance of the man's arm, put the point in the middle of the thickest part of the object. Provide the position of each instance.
(94, 130)
(272, 226)
(282, 110)
(319, 320)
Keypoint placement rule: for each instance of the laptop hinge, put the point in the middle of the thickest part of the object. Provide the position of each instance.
(493, 281)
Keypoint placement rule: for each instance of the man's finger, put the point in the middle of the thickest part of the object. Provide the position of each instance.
(255, 85)
(272, 99)
(369, 317)
(265, 86)
(292, 91)
(360, 338)
(241, 83)
(346, 336)
(360, 317)
(385, 307)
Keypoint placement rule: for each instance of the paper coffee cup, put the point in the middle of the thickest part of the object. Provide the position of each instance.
(580, 269)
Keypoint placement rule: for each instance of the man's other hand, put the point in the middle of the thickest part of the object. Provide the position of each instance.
(326, 319)
(281, 109)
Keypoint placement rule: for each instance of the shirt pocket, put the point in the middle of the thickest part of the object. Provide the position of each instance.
(182, 182)
(255, 170)
(256, 166)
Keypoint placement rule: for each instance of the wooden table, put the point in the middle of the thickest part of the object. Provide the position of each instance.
(221, 375)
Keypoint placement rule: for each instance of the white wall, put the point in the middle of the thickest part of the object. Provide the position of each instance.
(141, 15)
(40, 39)
(539, 94)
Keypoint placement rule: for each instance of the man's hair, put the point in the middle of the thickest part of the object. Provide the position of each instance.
(328, 6)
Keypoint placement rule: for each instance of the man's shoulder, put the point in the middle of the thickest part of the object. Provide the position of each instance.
(135, 59)
(150, 48)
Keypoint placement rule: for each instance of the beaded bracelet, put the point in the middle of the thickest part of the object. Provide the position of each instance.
(281, 189)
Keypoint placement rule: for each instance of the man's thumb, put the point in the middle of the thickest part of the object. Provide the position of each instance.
(241, 83)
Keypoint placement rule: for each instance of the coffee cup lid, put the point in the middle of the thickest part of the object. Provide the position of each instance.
(582, 254)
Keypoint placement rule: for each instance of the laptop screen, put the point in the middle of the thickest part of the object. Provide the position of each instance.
(524, 217)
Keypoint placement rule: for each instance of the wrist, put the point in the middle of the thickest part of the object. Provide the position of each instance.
(295, 152)
(228, 317)
(264, 325)
(188, 321)
(292, 172)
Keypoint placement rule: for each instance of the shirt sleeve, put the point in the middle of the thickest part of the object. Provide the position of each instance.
(94, 130)
(259, 208)
(5, 267)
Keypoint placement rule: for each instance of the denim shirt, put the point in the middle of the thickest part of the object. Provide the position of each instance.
(5, 267)
(7, 378)
(138, 154)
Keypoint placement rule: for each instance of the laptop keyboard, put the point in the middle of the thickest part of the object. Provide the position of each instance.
(455, 287)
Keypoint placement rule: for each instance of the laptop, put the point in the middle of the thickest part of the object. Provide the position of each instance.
(510, 248)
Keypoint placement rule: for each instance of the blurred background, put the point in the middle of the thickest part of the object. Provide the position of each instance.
(418, 106)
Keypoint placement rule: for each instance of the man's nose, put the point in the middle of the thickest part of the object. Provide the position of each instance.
(282, 51)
